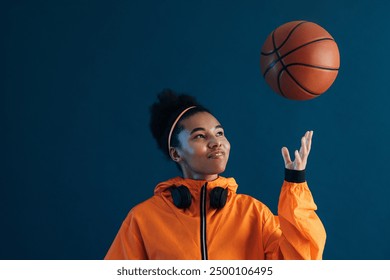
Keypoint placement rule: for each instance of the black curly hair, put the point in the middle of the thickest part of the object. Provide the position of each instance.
(164, 112)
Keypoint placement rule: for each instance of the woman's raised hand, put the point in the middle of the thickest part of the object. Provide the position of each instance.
(301, 156)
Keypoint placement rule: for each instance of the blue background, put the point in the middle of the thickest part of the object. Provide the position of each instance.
(76, 152)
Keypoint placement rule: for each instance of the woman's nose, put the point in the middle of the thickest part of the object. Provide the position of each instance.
(214, 142)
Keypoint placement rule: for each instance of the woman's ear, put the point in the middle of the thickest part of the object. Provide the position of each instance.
(175, 156)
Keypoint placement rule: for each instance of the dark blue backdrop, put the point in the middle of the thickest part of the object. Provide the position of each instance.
(76, 152)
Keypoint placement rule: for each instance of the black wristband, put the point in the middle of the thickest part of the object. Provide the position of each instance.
(294, 176)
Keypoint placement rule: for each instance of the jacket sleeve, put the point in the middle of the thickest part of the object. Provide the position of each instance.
(298, 232)
(128, 244)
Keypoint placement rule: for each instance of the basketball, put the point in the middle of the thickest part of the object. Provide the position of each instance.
(299, 60)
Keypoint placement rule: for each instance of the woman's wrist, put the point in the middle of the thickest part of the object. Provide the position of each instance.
(294, 176)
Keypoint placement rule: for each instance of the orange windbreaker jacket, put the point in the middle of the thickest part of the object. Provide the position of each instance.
(244, 229)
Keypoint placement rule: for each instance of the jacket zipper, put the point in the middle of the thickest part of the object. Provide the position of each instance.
(203, 222)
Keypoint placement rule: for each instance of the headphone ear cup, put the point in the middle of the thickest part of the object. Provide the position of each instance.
(181, 197)
(218, 197)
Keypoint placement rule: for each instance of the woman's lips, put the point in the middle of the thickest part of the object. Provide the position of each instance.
(216, 154)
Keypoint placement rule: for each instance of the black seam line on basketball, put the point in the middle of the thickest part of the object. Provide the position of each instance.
(293, 50)
(312, 66)
(325, 38)
(295, 80)
(285, 40)
(276, 50)
(301, 64)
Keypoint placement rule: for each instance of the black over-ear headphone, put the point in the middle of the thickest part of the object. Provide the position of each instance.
(181, 196)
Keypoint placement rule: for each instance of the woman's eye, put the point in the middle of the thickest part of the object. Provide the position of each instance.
(199, 136)
(220, 133)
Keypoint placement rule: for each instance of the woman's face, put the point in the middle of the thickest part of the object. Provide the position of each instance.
(204, 149)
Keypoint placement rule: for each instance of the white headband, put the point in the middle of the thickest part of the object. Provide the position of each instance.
(174, 124)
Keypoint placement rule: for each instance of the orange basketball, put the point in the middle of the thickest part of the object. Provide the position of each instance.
(300, 60)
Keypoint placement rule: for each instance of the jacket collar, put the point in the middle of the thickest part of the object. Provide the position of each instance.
(195, 185)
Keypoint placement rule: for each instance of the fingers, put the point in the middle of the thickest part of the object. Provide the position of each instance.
(306, 144)
(301, 156)
(298, 162)
(304, 147)
(305, 150)
(286, 156)
(308, 136)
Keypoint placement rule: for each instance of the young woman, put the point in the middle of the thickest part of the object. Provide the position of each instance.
(199, 215)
